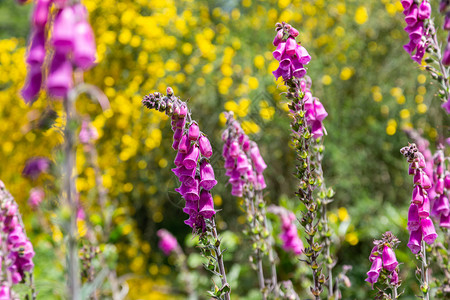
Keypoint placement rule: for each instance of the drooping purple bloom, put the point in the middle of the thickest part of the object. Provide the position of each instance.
(63, 34)
(36, 53)
(389, 259)
(167, 242)
(30, 91)
(59, 80)
(374, 272)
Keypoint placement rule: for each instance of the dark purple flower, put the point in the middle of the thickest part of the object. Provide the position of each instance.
(35, 166)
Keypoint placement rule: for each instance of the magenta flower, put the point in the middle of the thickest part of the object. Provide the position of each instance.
(414, 18)
(389, 259)
(167, 242)
(84, 48)
(40, 13)
(205, 146)
(207, 178)
(59, 80)
(289, 234)
(374, 272)
(63, 34)
(36, 197)
(36, 166)
(30, 91)
(36, 53)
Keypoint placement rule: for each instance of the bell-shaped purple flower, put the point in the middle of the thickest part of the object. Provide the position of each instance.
(63, 33)
(410, 47)
(234, 149)
(178, 134)
(278, 53)
(278, 38)
(237, 189)
(36, 166)
(181, 172)
(179, 159)
(411, 15)
(206, 204)
(415, 31)
(374, 272)
(167, 242)
(190, 161)
(205, 146)
(417, 196)
(447, 181)
(303, 55)
(407, 4)
(59, 79)
(84, 45)
(185, 144)
(229, 163)
(257, 159)
(413, 218)
(415, 240)
(41, 13)
(439, 186)
(191, 207)
(291, 46)
(242, 163)
(189, 193)
(36, 54)
(207, 178)
(424, 209)
(445, 221)
(261, 183)
(441, 205)
(194, 132)
(389, 259)
(424, 10)
(428, 231)
(30, 91)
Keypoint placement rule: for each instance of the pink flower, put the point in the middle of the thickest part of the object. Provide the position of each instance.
(167, 242)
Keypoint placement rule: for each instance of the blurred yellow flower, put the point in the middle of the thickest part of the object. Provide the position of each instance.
(361, 15)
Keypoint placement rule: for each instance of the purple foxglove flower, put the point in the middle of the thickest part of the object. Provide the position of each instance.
(185, 144)
(410, 47)
(84, 45)
(167, 242)
(194, 132)
(242, 163)
(286, 74)
(257, 159)
(442, 205)
(5, 293)
(424, 209)
(30, 91)
(413, 218)
(297, 69)
(447, 181)
(439, 186)
(235, 177)
(36, 197)
(234, 149)
(446, 62)
(424, 10)
(426, 183)
(415, 31)
(40, 13)
(229, 163)
(189, 181)
(417, 196)
(421, 160)
(407, 4)
(419, 53)
(237, 190)
(285, 63)
(394, 278)
(189, 193)
(445, 221)
(411, 15)
(415, 240)
(191, 207)
(206, 204)
(278, 53)
(278, 38)
(316, 129)
(446, 25)
(181, 122)
(208, 180)
(190, 161)
(293, 32)
(63, 30)
(291, 45)
(36, 54)
(59, 80)
(374, 272)
(411, 170)
(183, 110)
(179, 159)
(205, 146)
(182, 171)
(261, 183)
(178, 134)
(35, 166)
(446, 105)
(302, 55)
(389, 259)
(175, 144)
(429, 233)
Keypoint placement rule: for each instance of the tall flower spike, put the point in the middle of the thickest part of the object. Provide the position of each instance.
(197, 178)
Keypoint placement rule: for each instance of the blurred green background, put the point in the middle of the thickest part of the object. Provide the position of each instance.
(218, 55)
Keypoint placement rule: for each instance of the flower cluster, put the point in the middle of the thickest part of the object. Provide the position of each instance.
(292, 56)
(441, 207)
(415, 15)
(383, 259)
(17, 250)
(72, 41)
(167, 242)
(289, 234)
(192, 166)
(243, 162)
(419, 223)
